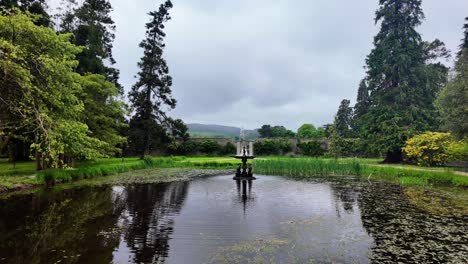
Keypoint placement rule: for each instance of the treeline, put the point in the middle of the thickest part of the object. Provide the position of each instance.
(406, 91)
(60, 96)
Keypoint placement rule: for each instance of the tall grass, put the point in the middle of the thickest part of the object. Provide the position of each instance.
(101, 168)
(304, 168)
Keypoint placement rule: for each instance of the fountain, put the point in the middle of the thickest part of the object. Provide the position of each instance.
(244, 171)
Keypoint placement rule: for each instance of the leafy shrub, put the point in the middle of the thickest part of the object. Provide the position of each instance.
(190, 147)
(347, 147)
(272, 147)
(229, 148)
(311, 148)
(458, 150)
(209, 146)
(428, 149)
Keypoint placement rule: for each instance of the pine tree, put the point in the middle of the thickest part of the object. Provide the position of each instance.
(343, 117)
(452, 101)
(153, 89)
(361, 107)
(93, 29)
(402, 83)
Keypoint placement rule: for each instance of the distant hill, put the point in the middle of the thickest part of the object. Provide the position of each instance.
(219, 131)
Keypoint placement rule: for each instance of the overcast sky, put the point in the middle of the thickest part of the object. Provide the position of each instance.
(253, 62)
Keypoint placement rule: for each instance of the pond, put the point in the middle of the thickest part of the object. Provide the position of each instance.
(219, 220)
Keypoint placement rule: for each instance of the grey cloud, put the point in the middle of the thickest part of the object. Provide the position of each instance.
(251, 62)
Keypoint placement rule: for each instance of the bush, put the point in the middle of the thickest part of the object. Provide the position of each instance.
(458, 151)
(428, 149)
(272, 147)
(229, 148)
(311, 148)
(190, 147)
(209, 146)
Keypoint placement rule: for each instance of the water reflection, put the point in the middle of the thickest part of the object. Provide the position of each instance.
(147, 220)
(244, 193)
(212, 221)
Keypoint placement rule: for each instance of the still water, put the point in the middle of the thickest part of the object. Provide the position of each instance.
(219, 220)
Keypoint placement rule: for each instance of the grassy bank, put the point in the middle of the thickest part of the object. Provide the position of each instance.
(299, 168)
(303, 168)
(24, 173)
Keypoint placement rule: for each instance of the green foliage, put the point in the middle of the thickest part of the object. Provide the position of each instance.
(361, 107)
(92, 28)
(272, 147)
(452, 99)
(428, 149)
(402, 81)
(311, 148)
(343, 119)
(153, 89)
(209, 146)
(306, 167)
(267, 131)
(40, 91)
(308, 131)
(229, 149)
(106, 119)
(35, 7)
(458, 150)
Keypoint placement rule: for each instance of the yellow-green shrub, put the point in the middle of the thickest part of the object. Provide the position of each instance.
(429, 149)
(458, 150)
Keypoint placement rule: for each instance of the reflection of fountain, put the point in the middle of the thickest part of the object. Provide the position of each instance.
(244, 171)
(244, 191)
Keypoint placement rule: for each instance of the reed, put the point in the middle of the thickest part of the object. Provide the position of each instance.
(307, 167)
(303, 168)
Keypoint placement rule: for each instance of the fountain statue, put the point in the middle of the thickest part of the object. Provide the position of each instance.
(244, 153)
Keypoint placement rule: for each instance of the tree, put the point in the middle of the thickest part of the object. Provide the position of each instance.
(282, 132)
(35, 7)
(104, 114)
(153, 88)
(265, 131)
(307, 131)
(343, 119)
(93, 29)
(361, 106)
(401, 80)
(452, 101)
(39, 92)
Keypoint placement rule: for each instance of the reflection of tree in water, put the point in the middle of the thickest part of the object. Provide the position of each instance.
(148, 219)
(58, 226)
(345, 193)
(404, 233)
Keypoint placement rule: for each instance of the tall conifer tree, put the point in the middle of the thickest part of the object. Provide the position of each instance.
(452, 101)
(343, 119)
(152, 92)
(402, 84)
(361, 106)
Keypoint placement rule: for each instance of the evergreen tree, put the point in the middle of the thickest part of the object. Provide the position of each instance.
(452, 101)
(36, 7)
(93, 28)
(153, 89)
(402, 86)
(343, 117)
(361, 106)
